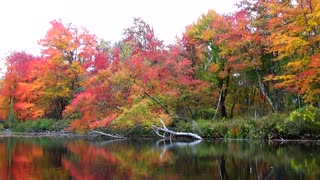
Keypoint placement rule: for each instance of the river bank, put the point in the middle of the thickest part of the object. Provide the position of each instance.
(8, 133)
(302, 124)
(70, 135)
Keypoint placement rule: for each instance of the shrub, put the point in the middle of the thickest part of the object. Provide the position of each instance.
(183, 126)
(210, 129)
(41, 125)
(303, 122)
(268, 127)
(45, 124)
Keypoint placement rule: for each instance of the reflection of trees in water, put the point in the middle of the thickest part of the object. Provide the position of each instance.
(166, 145)
(249, 161)
(120, 160)
(229, 167)
(234, 160)
(55, 154)
(222, 168)
(24, 159)
(247, 169)
(163, 160)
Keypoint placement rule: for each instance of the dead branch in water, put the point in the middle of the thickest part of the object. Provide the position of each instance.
(165, 133)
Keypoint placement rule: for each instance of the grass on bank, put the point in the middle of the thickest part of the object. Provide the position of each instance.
(302, 123)
(299, 124)
(38, 125)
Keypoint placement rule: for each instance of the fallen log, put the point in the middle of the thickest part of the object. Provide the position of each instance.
(165, 133)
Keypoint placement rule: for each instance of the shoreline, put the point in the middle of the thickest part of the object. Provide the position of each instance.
(65, 134)
(55, 134)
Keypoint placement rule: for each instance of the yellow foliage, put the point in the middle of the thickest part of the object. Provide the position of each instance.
(207, 35)
(269, 77)
(144, 113)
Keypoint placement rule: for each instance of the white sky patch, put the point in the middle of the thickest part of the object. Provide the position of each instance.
(24, 22)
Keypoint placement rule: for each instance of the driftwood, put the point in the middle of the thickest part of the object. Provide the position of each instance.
(165, 133)
(115, 136)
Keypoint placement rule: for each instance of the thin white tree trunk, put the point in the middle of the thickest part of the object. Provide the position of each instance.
(215, 114)
(264, 91)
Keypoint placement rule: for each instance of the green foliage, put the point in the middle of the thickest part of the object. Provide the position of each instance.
(303, 122)
(141, 114)
(41, 125)
(1, 125)
(305, 114)
(11, 117)
(268, 127)
(209, 129)
(183, 126)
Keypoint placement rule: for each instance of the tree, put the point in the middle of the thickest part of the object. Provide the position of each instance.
(294, 39)
(211, 61)
(18, 95)
(137, 87)
(67, 51)
(243, 46)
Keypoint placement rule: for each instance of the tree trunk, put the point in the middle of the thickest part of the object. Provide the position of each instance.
(264, 91)
(232, 107)
(223, 108)
(223, 94)
(222, 105)
(157, 101)
(11, 116)
(222, 168)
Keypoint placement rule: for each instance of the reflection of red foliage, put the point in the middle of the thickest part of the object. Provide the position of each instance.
(88, 152)
(3, 160)
(23, 164)
(92, 163)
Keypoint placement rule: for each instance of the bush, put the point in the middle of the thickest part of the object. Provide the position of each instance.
(210, 129)
(307, 114)
(269, 127)
(273, 126)
(41, 125)
(303, 122)
(183, 126)
(204, 128)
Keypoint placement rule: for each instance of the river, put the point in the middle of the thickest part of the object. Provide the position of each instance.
(74, 158)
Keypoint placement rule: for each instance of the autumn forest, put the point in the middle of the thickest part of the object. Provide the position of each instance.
(262, 61)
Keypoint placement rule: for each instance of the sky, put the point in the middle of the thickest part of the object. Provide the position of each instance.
(24, 22)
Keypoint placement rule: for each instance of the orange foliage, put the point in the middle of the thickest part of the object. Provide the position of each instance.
(150, 68)
(295, 40)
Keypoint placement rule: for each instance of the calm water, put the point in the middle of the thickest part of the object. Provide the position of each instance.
(50, 158)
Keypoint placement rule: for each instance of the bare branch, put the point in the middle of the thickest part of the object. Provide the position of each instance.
(157, 101)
